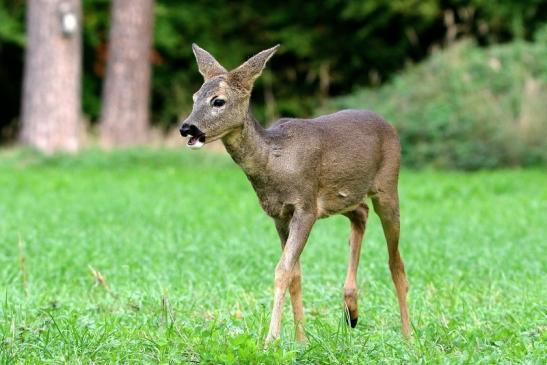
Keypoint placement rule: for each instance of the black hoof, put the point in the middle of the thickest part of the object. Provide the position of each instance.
(351, 321)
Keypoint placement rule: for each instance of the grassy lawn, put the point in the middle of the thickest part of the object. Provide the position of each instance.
(166, 257)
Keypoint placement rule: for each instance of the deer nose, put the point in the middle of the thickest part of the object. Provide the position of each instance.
(191, 130)
(185, 129)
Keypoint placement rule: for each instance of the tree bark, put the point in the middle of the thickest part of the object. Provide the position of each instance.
(126, 93)
(51, 107)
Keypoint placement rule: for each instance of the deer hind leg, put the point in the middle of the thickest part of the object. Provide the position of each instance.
(358, 219)
(386, 205)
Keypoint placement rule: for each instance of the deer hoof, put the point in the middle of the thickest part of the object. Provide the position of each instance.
(302, 339)
(270, 340)
(352, 319)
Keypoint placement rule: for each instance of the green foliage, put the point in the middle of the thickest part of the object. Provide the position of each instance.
(467, 107)
(11, 63)
(326, 50)
(504, 20)
(187, 260)
(11, 22)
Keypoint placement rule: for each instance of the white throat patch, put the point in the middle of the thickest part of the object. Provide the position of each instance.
(196, 145)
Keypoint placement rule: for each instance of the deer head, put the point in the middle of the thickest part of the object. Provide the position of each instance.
(223, 100)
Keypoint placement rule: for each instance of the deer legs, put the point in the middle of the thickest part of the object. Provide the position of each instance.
(387, 207)
(358, 218)
(295, 290)
(287, 272)
(295, 284)
(293, 236)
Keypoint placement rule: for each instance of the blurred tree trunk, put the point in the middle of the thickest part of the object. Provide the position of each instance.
(126, 93)
(51, 108)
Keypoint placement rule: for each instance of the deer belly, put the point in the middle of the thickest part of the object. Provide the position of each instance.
(275, 207)
(340, 202)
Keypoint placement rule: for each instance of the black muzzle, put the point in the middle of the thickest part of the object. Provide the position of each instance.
(190, 130)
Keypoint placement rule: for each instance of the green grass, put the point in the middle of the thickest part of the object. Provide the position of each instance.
(188, 260)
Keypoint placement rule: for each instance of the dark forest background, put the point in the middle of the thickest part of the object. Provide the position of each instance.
(329, 48)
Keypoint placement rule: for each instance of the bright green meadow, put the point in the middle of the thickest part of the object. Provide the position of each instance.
(154, 256)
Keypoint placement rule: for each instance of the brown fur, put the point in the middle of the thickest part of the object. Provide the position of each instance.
(303, 170)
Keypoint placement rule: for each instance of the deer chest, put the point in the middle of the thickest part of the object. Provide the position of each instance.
(274, 198)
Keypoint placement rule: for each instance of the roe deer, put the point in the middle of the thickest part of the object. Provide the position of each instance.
(303, 170)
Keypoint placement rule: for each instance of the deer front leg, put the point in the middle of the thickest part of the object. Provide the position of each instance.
(299, 230)
(295, 284)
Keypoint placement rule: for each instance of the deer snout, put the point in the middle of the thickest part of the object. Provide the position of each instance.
(185, 130)
(190, 130)
(197, 137)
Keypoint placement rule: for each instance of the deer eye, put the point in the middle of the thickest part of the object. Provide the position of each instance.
(217, 103)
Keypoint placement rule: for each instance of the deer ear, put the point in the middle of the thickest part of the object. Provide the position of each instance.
(207, 65)
(246, 74)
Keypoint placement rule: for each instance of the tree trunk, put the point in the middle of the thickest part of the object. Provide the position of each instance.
(125, 105)
(51, 108)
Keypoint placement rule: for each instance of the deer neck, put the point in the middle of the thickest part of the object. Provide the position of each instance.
(247, 145)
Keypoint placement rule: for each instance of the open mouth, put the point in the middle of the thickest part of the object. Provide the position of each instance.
(196, 142)
(196, 137)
